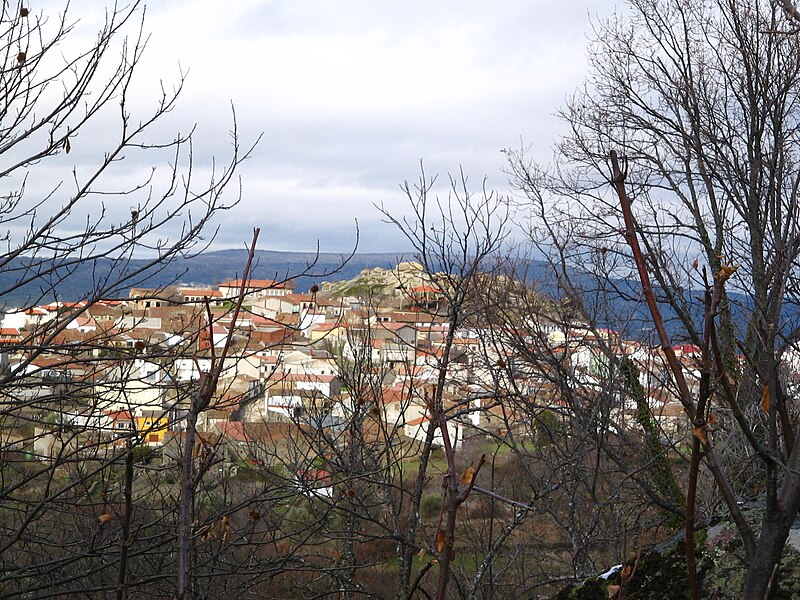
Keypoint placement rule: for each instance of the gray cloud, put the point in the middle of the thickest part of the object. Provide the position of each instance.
(349, 96)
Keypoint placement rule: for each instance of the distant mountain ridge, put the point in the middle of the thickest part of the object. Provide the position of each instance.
(208, 268)
(628, 315)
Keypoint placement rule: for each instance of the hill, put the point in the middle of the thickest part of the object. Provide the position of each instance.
(74, 283)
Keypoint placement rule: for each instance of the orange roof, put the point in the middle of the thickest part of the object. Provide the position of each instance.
(309, 377)
(118, 415)
(255, 283)
(200, 292)
(327, 326)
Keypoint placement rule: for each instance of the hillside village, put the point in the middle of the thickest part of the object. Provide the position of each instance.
(123, 369)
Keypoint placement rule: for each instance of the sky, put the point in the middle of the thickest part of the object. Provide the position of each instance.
(346, 97)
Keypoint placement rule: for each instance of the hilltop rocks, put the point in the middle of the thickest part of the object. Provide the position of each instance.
(378, 281)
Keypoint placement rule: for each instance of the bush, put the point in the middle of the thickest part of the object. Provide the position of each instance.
(431, 506)
(548, 426)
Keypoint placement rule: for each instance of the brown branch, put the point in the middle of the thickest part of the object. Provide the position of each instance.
(791, 10)
(685, 396)
(199, 402)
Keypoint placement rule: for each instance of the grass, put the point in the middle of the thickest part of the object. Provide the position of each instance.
(437, 465)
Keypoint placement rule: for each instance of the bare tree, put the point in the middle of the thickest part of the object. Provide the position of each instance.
(701, 99)
(64, 219)
(457, 237)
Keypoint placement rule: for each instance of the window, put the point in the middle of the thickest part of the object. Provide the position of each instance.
(153, 437)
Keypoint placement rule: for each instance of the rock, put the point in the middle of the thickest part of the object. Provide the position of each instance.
(660, 571)
(410, 267)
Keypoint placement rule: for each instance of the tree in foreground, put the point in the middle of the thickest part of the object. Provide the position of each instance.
(72, 208)
(680, 171)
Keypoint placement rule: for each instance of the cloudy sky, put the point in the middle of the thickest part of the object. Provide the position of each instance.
(351, 94)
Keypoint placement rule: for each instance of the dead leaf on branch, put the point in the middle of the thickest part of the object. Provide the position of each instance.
(226, 530)
(700, 434)
(725, 272)
(467, 476)
(625, 573)
(440, 541)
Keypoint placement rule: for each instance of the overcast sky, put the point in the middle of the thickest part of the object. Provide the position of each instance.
(351, 94)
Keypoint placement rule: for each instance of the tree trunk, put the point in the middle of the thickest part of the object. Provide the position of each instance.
(761, 581)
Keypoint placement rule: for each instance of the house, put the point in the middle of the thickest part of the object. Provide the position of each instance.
(264, 444)
(187, 295)
(417, 429)
(135, 385)
(83, 324)
(18, 320)
(151, 426)
(270, 305)
(424, 297)
(316, 362)
(140, 321)
(292, 395)
(10, 336)
(335, 333)
(119, 424)
(393, 403)
(314, 483)
(144, 298)
(255, 288)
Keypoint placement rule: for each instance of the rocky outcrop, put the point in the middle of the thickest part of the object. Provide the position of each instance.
(377, 281)
(659, 573)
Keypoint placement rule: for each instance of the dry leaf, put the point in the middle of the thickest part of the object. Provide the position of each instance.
(23, 12)
(700, 434)
(226, 530)
(466, 477)
(421, 553)
(625, 573)
(695, 264)
(67, 145)
(255, 515)
(725, 272)
(105, 518)
(440, 541)
(712, 418)
(612, 590)
(765, 398)
(21, 57)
